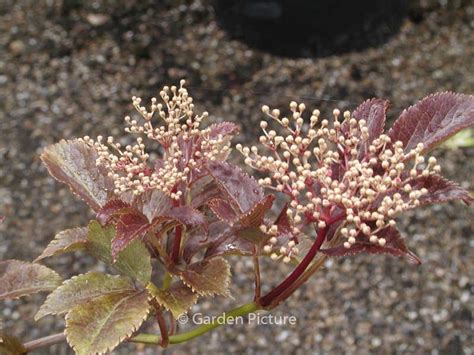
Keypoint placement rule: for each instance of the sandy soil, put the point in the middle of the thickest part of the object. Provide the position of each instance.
(69, 68)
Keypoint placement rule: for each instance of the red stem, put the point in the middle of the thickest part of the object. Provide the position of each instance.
(269, 297)
(178, 232)
(302, 266)
(177, 243)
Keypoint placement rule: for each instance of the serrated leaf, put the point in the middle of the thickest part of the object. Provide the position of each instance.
(10, 345)
(74, 164)
(178, 298)
(20, 278)
(283, 222)
(238, 187)
(200, 238)
(209, 277)
(152, 203)
(223, 210)
(433, 120)
(133, 261)
(374, 112)
(439, 190)
(223, 239)
(185, 215)
(254, 216)
(107, 211)
(101, 324)
(395, 245)
(66, 241)
(203, 190)
(130, 226)
(82, 289)
(253, 235)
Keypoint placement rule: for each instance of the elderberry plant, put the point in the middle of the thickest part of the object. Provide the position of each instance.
(166, 218)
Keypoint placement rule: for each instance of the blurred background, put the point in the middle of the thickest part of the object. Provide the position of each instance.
(69, 68)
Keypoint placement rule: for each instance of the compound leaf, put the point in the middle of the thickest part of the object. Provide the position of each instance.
(209, 277)
(178, 298)
(133, 261)
(66, 241)
(82, 289)
(99, 325)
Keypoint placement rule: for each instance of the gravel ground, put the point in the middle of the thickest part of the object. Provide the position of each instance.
(68, 68)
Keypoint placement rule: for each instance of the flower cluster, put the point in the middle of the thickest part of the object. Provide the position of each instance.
(336, 166)
(185, 145)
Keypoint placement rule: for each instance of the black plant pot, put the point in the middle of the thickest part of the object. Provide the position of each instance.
(311, 27)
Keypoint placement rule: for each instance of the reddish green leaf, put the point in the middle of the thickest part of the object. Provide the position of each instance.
(66, 241)
(10, 345)
(82, 289)
(223, 210)
(133, 261)
(240, 188)
(440, 190)
(433, 120)
(74, 164)
(395, 245)
(178, 298)
(99, 325)
(20, 278)
(209, 277)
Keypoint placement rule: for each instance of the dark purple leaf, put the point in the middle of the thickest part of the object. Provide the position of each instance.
(152, 203)
(440, 190)
(185, 215)
(106, 212)
(282, 221)
(237, 185)
(395, 245)
(229, 242)
(74, 164)
(433, 120)
(203, 190)
(200, 238)
(223, 210)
